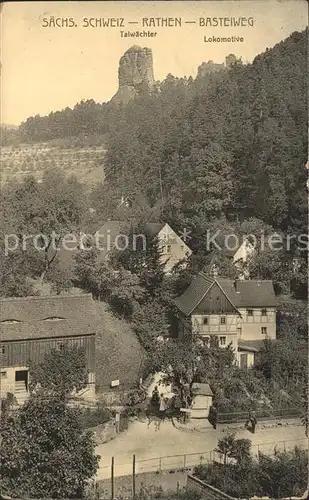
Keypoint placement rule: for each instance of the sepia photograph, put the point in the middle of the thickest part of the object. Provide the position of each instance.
(154, 250)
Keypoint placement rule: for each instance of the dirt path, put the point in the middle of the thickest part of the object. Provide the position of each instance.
(149, 444)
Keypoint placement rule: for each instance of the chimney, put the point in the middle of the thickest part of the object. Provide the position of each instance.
(236, 286)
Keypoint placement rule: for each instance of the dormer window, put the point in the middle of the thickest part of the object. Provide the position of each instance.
(222, 320)
(10, 321)
(53, 318)
(205, 320)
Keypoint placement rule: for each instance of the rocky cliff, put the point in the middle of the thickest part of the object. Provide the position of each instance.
(135, 74)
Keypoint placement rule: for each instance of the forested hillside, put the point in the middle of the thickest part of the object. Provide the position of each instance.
(233, 143)
(223, 147)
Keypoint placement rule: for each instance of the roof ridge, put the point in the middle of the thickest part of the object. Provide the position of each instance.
(44, 297)
(205, 276)
(254, 281)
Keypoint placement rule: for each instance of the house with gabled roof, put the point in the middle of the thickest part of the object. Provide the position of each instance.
(239, 313)
(32, 326)
(173, 249)
(238, 251)
(112, 235)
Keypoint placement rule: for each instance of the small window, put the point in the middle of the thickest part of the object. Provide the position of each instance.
(2, 349)
(205, 320)
(182, 247)
(222, 340)
(264, 312)
(223, 320)
(250, 312)
(169, 248)
(3, 374)
(264, 330)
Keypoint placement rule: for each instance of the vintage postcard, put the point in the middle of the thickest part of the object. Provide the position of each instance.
(154, 250)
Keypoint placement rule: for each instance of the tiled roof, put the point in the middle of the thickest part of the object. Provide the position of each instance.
(48, 316)
(110, 235)
(192, 296)
(256, 293)
(243, 293)
(153, 228)
(229, 289)
(107, 233)
(201, 389)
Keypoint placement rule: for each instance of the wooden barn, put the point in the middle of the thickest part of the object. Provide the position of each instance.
(32, 326)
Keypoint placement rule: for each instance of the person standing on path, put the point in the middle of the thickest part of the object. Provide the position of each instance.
(155, 398)
(162, 407)
(253, 423)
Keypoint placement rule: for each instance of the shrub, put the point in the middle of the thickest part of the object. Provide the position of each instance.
(93, 417)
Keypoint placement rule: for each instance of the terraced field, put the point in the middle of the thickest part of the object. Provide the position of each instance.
(85, 162)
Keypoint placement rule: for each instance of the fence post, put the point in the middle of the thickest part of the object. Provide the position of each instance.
(133, 477)
(184, 460)
(117, 421)
(112, 479)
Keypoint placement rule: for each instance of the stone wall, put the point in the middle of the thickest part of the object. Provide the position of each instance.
(204, 490)
(104, 432)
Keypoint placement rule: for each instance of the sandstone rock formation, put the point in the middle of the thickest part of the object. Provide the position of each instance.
(135, 74)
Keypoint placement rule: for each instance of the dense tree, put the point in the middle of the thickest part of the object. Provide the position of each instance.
(59, 279)
(143, 258)
(45, 453)
(230, 447)
(38, 216)
(283, 475)
(61, 372)
(191, 360)
(93, 275)
(283, 363)
(279, 476)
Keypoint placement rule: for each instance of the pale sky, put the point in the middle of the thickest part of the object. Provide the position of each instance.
(45, 69)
